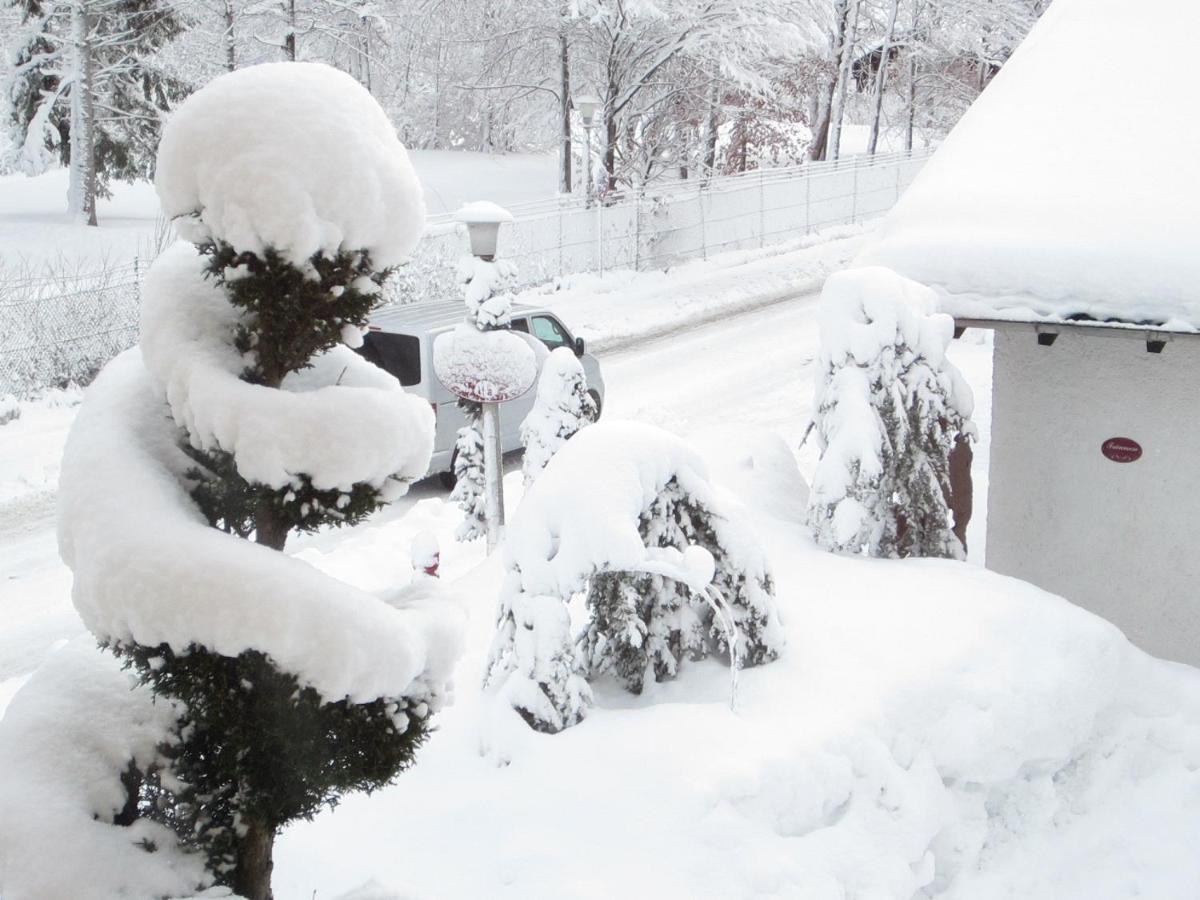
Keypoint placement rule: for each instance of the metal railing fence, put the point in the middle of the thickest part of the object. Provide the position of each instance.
(62, 329)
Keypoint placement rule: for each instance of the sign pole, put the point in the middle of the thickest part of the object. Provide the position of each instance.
(493, 471)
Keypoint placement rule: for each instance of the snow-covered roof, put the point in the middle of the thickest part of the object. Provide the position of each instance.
(1071, 188)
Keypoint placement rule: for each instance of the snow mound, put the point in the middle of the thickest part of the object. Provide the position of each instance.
(556, 549)
(295, 156)
(1043, 204)
(484, 212)
(341, 421)
(65, 739)
(148, 568)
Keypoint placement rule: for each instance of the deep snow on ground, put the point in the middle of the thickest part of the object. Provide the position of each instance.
(930, 725)
(35, 228)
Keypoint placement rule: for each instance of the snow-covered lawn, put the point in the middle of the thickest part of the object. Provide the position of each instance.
(35, 228)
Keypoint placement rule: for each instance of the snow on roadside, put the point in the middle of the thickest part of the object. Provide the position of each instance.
(611, 312)
(623, 307)
(31, 445)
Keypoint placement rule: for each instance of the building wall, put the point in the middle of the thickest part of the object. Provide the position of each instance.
(1120, 539)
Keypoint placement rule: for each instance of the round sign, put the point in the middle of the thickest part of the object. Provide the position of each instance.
(1122, 450)
(484, 366)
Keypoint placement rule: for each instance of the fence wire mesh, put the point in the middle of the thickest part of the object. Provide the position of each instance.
(62, 329)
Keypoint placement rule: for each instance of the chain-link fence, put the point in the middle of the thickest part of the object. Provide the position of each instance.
(62, 329)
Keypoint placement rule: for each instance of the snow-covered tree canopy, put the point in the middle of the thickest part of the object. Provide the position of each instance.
(890, 409)
(244, 162)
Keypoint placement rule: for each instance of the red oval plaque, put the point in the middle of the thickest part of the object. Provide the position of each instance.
(1122, 450)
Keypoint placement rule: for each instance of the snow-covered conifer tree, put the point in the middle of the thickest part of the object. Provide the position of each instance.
(86, 89)
(890, 410)
(470, 489)
(642, 621)
(644, 625)
(562, 406)
(244, 417)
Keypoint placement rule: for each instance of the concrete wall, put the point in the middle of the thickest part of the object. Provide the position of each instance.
(1120, 539)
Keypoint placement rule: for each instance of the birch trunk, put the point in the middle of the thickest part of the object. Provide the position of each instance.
(81, 198)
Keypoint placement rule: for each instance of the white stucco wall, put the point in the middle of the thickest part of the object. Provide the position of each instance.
(1120, 539)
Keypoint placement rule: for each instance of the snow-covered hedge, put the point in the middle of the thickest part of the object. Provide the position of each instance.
(890, 410)
(646, 493)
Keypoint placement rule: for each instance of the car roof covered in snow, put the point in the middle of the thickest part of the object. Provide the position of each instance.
(426, 316)
(1071, 188)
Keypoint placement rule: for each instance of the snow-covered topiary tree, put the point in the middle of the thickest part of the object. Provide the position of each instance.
(891, 412)
(648, 499)
(562, 407)
(241, 418)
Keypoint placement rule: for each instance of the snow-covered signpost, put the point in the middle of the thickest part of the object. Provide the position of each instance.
(482, 361)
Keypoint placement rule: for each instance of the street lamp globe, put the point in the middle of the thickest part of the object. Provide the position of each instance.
(483, 221)
(587, 106)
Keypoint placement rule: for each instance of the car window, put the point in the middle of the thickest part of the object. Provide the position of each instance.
(399, 354)
(520, 325)
(549, 332)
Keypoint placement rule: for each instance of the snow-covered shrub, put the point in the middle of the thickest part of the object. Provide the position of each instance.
(890, 411)
(241, 418)
(470, 488)
(10, 409)
(646, 493)
(76, 743)
(641, 625)
(562, 406)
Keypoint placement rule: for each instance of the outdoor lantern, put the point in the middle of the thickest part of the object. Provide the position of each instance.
(483, 221)
(587, 106)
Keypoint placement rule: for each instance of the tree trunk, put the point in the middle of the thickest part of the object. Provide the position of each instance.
(252, 874)
(81, 200)
(845, 58)
(881, 78)
(228, 37)
(289, 39)
(820, 138)
(610, 150)
(565, 179)
(710, 137)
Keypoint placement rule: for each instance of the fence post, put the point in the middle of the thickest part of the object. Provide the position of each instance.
(562, 268)
(600, 238)
(762, 212)
(808, 202)
(637, 232)
(703, 223)
(854, 196)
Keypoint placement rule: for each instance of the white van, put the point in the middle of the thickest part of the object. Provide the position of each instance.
(400, 340)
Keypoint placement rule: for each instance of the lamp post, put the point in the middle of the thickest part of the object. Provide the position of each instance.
(587, 106)
(486, 363)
